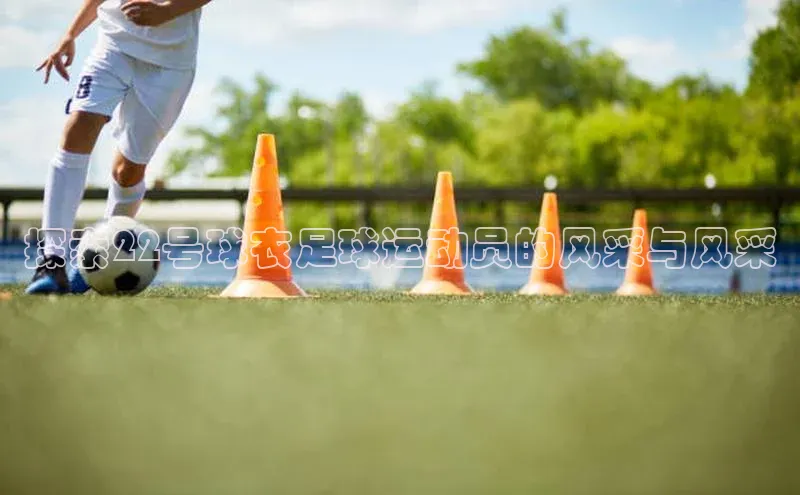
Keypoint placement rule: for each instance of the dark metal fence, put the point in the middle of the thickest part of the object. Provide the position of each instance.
(773, 200)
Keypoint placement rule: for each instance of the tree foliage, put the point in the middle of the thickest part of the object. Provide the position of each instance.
(775, 55)
(550, 104)
(545, 64)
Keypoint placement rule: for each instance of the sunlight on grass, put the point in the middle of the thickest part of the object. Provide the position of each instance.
(350, 392)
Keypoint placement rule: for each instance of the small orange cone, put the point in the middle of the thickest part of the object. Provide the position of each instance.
(264, 270)
(547, 274)
(638, 272)
(444, 271)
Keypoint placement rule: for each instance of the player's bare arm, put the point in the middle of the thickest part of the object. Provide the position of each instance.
(64, 54)
(150, 13)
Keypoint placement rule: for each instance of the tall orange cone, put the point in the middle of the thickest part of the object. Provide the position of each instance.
(444, 271)
(638, 272)
(264, 269)
(547, 274)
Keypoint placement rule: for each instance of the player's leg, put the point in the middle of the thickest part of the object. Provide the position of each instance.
(66, 179)
(64, 186)
(101, 87)
(125, 196)
(127, 190)
(147, 114)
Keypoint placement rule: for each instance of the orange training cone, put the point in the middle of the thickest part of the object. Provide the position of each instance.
(547, 274)
(444, 270)
(264, 269)
(638, 272)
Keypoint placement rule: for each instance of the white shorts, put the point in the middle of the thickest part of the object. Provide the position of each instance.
(147, 99)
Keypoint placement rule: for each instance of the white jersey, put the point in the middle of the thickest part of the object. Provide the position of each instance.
(172, 45)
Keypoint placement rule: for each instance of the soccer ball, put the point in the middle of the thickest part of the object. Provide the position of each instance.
(118, 256)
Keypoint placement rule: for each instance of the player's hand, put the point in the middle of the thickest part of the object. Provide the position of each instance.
(59, 60)
(147, 12)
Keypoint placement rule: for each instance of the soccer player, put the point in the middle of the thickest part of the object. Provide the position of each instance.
(142, 67)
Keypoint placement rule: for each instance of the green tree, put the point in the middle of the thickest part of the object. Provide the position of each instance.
(772, 129)
(545, 64)
(435, 118)
(350, 116)
(688, 87)
(616, 147)
(775, 55)
(521, 143)
(549, 105)
(243, 116)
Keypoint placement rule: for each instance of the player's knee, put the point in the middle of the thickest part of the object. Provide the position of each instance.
(127, 173)
(81, 132)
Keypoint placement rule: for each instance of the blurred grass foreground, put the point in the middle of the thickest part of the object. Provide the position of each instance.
(384, 393)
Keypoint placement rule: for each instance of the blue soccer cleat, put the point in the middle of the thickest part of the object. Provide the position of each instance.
(77, 285)
(50, 277)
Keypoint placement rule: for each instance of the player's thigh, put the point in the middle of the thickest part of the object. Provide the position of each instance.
(103, 83)
(149, 111)
(81, 132)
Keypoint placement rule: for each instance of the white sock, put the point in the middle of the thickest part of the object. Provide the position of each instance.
(66, 181)
(124, 201)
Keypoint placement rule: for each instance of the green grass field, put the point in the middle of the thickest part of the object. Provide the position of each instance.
(357, 393)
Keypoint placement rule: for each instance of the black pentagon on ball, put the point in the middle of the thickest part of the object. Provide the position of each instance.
(126, 282)
(126, 241)
(91, 260)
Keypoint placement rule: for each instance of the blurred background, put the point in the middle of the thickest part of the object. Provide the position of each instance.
(689, 109)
